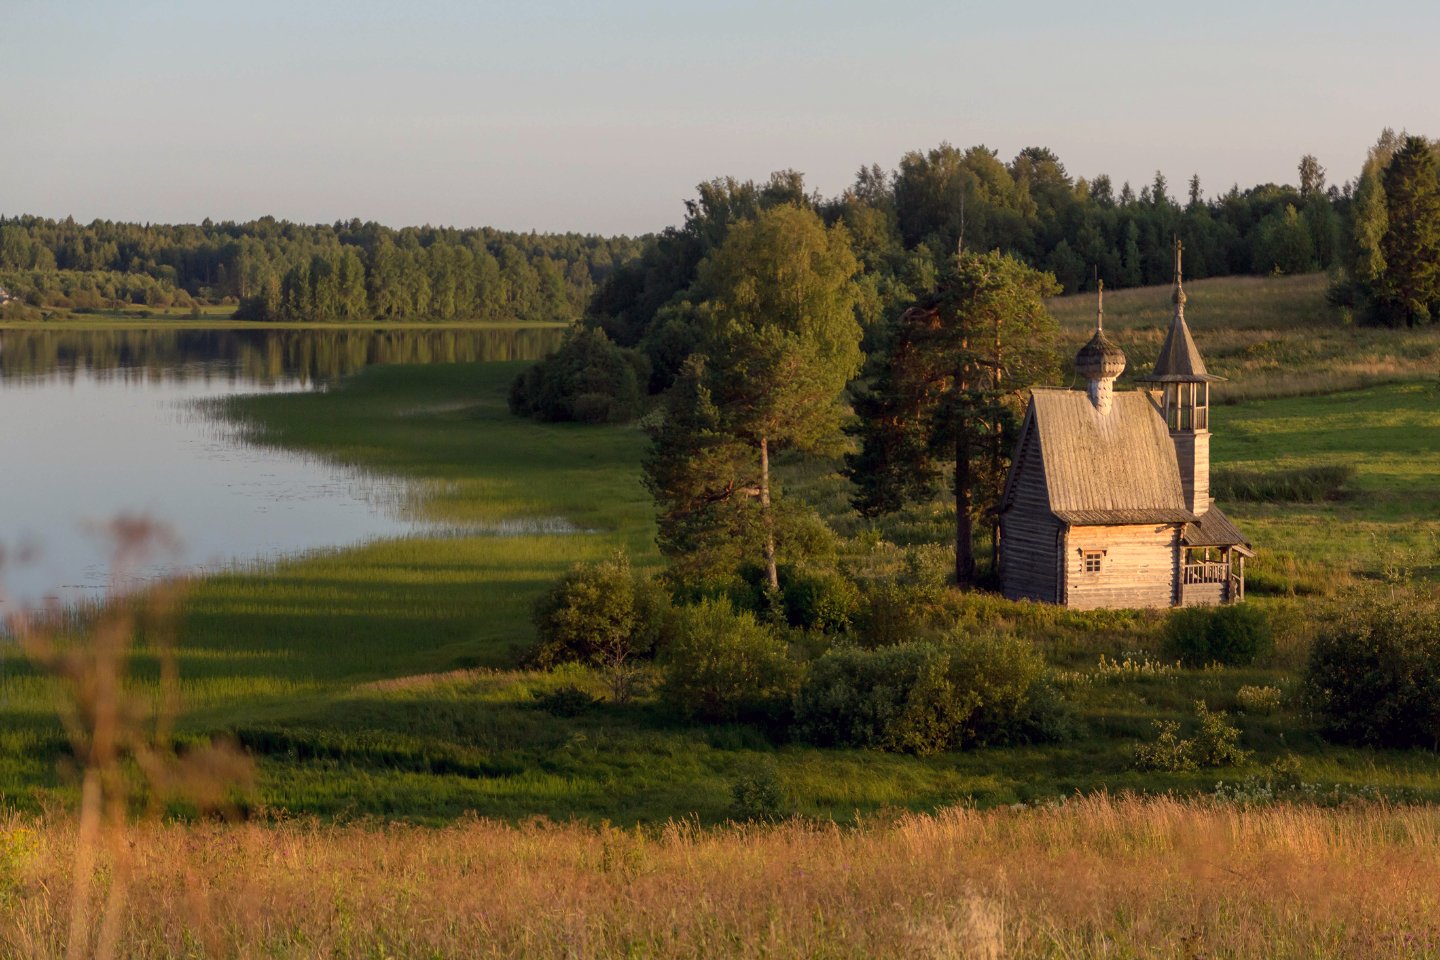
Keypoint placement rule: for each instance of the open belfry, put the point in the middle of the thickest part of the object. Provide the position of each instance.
(1107, 503)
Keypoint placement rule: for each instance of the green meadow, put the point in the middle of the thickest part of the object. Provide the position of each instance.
(390, 679)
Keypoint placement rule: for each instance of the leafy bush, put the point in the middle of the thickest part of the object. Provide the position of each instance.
(1167, 751)
(923, 698)
(1233, 635)
(588, 379)
(819, 600)
(890, 613)
(757, 798)
(724, 665)
(1215, 744)
(1374, 676)
(603, 615)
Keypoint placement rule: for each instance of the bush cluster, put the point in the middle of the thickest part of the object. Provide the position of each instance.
(1233, 635)
(1373, 677)
(588, 379)
(793, 668)
(924, 698)
(724, 665)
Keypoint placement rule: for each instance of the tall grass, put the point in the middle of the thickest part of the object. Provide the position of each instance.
(1317, 483)
(1099, 877)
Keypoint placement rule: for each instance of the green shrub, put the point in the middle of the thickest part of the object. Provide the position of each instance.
(588, 379)
(922, 698)
(1215, 744)
(603, 615)
(820, 600)
(891, 613)
(757, 798)
(724, 665)
(1374, 677)
(1233, 635)
(591, 609)
(1167, 752)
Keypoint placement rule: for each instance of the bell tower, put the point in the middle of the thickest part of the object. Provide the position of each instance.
(1182, 387)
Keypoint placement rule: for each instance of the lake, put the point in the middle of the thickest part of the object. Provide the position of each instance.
(97, 424)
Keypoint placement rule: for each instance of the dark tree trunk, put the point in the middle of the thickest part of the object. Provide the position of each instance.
(964, 552)
(771, 572)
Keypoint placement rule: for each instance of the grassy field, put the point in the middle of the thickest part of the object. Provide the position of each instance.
(389, 679)
(383, 688)
(1097, 877)
(1271, 336)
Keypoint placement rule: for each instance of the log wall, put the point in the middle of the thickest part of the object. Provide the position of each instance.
(1029, 532)
(1140, 566)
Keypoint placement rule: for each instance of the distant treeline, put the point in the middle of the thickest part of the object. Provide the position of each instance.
(904, 224)
(275, 270)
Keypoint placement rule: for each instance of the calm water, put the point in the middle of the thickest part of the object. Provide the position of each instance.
(98, 424)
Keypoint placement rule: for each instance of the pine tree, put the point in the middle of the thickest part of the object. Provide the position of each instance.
(949, 391)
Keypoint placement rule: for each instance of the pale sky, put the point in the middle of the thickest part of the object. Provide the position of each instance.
(602, 116)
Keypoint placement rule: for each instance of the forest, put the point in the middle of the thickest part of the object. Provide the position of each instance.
(905, 223)
(276, 270)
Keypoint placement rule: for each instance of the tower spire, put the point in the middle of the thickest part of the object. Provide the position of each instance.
(1179, 296)
(1099, 306)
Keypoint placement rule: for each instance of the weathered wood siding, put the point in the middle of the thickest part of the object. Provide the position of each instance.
(1203, 595)
(1192, 452)
(1140, 567)
(1029, 532)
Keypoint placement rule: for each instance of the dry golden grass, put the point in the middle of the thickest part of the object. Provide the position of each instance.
(1098, 877)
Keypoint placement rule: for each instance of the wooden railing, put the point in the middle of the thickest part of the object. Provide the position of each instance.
(1210, 572)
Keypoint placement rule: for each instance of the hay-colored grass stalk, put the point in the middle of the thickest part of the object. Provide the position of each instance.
(120, 733)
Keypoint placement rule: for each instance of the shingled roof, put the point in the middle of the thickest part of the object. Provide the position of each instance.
(1214, 529)
(1106, 468)
(1179, 360)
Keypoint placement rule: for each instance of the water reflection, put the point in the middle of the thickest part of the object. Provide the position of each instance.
(98, 423)
(257, 356)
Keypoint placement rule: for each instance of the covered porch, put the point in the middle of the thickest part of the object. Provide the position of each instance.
(1212, 561)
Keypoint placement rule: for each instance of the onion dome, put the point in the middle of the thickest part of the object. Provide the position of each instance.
(1100, 359)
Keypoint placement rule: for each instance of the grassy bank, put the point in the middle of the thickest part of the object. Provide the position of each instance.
(1094, 878)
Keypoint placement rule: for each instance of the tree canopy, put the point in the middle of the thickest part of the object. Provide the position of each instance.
(779, 341)
(948, 391)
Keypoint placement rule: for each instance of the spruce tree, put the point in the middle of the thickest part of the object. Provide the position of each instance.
(1410, 286)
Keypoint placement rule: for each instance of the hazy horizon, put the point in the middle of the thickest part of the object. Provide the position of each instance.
(574, 117)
